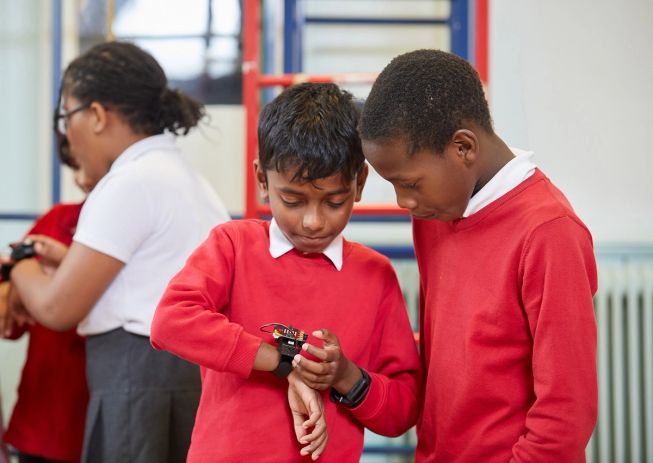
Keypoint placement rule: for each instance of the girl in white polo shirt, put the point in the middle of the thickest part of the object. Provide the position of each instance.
(147, 213)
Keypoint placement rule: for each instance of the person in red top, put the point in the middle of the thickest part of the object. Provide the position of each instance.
(295, 270)
(507, 272)
(47, 422)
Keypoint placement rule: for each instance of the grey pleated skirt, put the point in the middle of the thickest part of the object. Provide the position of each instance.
(142, 401)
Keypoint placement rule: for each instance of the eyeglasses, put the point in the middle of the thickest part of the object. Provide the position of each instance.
(61, 118)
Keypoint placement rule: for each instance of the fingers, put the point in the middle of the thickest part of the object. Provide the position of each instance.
(8, 323)
(19, 316)
(327, 336)
(48, 248)
(330, 352)
(316, 375)
(317, 368)
(316, 447)
(318, 437)
(298, 425)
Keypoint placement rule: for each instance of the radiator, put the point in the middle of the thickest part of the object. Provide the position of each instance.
(624, 314)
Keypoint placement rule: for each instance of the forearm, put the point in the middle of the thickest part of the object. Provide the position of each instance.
(561, 420)
(37, 292)
(185, 325)
(267, 357)
(391, 406)
(559, 280)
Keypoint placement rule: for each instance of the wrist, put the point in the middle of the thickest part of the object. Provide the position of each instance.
(355, 396)
(293, 377)
(350, 377)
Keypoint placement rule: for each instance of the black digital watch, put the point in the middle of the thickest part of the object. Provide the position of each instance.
(356, 394)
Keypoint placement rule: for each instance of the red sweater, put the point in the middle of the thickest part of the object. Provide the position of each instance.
(508, 331)
(211, 313)
(48, 418)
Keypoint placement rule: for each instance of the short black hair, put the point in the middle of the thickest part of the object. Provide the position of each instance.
(130, 81)
(424, 96)
(312, 129)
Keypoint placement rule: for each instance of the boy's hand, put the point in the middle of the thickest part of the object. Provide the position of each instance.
(49, 250)
(335, 370)
(4, 309)
(306, 402)
(12, 311)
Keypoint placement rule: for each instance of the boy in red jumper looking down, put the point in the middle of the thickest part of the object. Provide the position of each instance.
(296, 270)
(507, 272)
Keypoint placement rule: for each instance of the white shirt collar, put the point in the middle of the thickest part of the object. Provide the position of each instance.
(512, 174)
(280, 244)
(162, 141)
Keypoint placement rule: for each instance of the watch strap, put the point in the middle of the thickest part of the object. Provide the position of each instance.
(356, 394)
(284, 368)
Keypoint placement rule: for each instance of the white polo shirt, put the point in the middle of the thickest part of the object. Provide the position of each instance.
(150, 211)
(280, 244)
(509, 176)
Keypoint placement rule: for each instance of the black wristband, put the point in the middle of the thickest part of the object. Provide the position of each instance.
(5, 271)
(284, 368)
(356, 394)
(288, 352)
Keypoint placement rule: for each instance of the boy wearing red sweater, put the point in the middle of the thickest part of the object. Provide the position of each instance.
(295, 270)
(507, 272)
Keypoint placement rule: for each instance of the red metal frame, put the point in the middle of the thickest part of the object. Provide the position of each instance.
(253, 81)
(482, 41)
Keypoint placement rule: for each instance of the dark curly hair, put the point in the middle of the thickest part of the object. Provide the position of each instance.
(129, 80)
(311, 128)
(424, 96)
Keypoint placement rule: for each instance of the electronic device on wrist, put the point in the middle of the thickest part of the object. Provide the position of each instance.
(22, 250)
(356, 394)
(19, 251)
(289, 343)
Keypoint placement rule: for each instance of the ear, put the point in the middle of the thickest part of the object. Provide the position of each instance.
(360, 181)
(100, 117)
(261, 180)
(466, 144)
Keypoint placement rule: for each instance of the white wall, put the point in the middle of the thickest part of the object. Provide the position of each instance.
(573, 80)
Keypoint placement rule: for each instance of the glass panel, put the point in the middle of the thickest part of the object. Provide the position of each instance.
(25, 96)
(182, 59)
(226, 17)
(200, 53)
(161, 18)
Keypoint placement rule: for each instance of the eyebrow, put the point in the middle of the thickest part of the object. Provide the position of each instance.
(291, 191)
(398, 179)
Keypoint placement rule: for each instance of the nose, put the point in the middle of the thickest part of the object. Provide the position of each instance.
(313, 219)
(405, 201)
